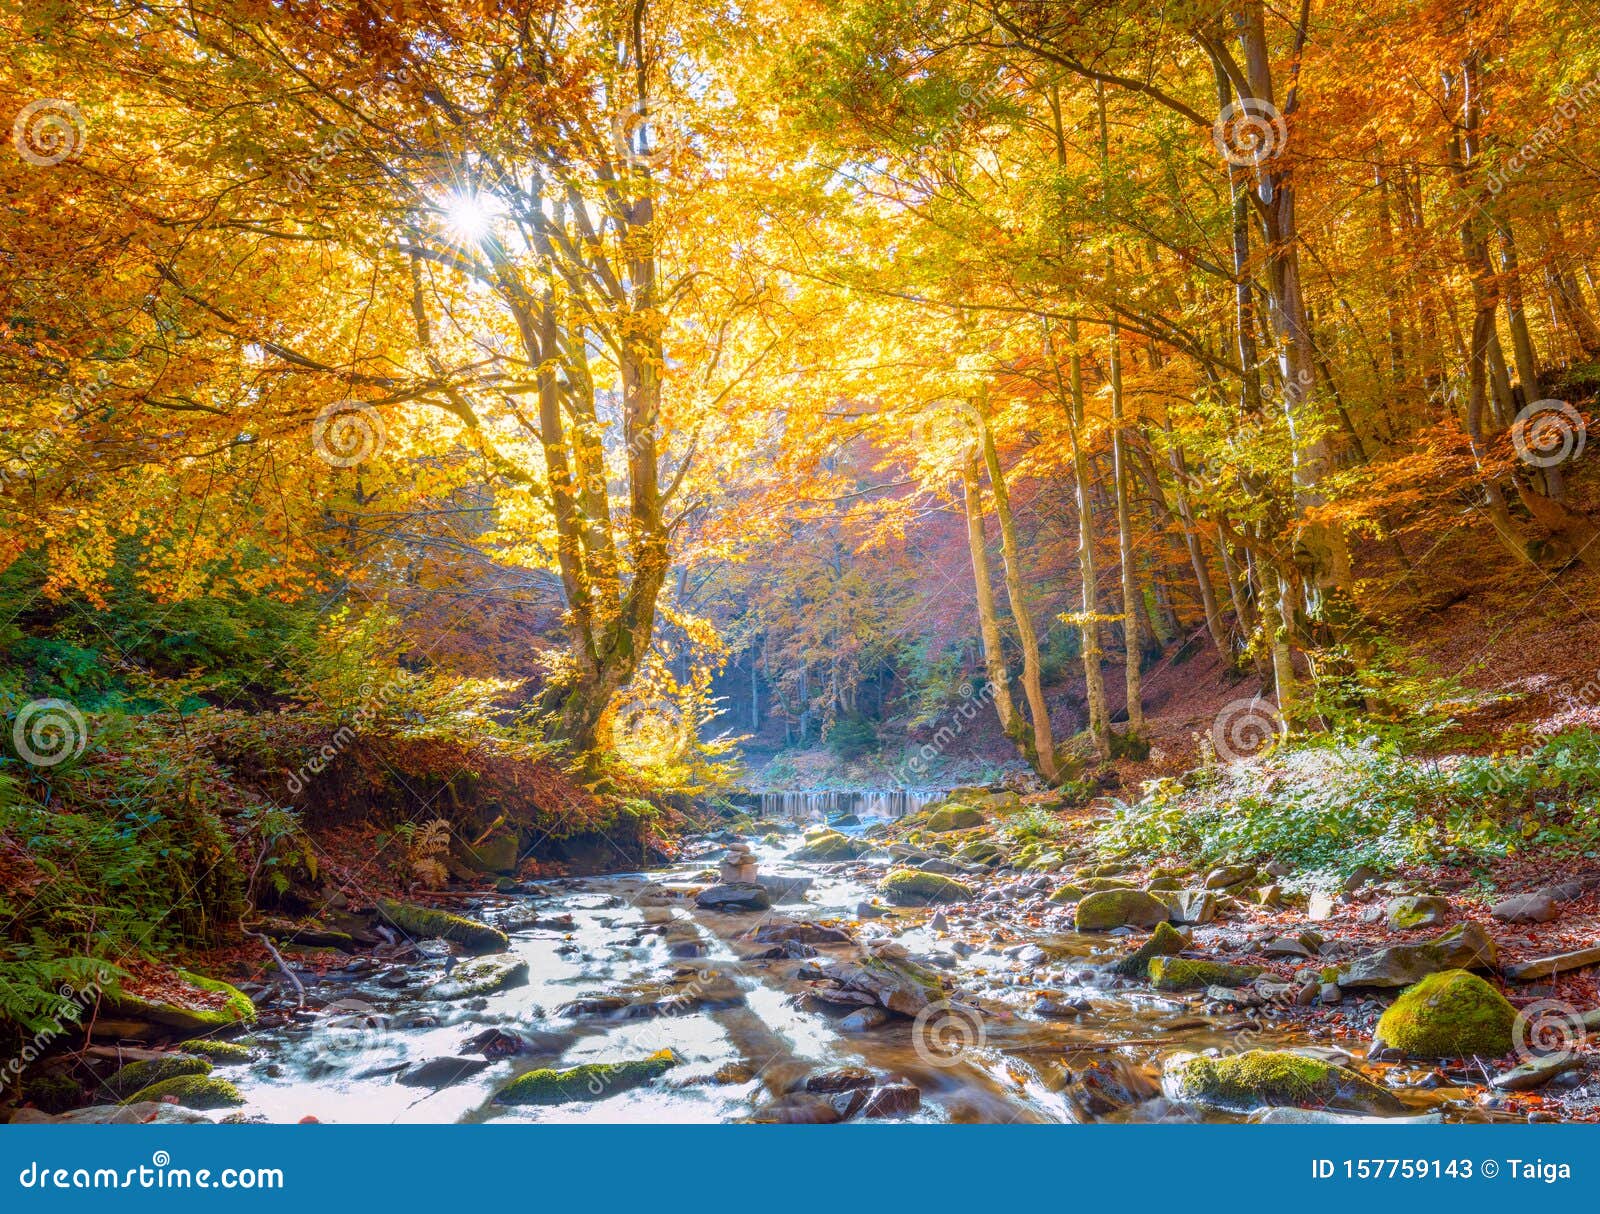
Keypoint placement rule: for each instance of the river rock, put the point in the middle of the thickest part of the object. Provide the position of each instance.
(801, 931)
(208, 1005)
(441, 1072)
(1258, 1078)
(840, 1079)
(1525, 908)
(954, 817)
(745, 896)
(1466, 946)
(899, 986)
(1451, 1014)
(893, 1100)
(863, 1020)
(1120, 908)
(1408, 914)
(1537, 1072)
(1229, 875)
(426, 923)
(910, 887)
(481, 976)
(830, 845)
(1184, 974)
(591, 1081)
(1189, 906)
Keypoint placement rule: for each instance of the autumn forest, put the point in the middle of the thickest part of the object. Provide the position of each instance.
(997, 521)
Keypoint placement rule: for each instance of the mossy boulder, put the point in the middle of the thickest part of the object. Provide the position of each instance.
(1187, 974)
(954, 817)
(1068, 893)
(1417, 911)
(428, 923)
(830, 845)
(1260, 1078)
(191, 1091)
(496, 854)
(481, 976)
(911, 887)
(1452, 1014)
(215, 1005)
(1099, 885)
(591, 1081)
(137, 1076)
(1165, 941)
(1110, 908)
(221, 1053)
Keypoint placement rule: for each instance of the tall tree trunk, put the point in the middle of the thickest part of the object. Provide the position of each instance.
(994, 659)
(1044, 746)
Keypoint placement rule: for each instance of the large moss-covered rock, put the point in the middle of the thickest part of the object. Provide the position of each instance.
(1465, 946)
(1185, 974)
(214, 1005)
(1260, 1078)
(1099, 885)
(428, 923)
(830, 845)
(1451, 1014)
(221, 1053)
(191, 1091)
(481, 976)
(1119, 908)
(591, 1081)
(954, 817)
(496, 854)
(137, 1076)
(1068, 893)
(1165, 941)
(912, 887)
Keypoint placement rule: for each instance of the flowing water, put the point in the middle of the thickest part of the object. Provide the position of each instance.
(659, 973)
(815, 806)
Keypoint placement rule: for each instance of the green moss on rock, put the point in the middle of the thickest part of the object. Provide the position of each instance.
(1165, 941)
(1185, 974)
(191, 1091)
(591, 1081)
(1275, 1077)
(911, 887)
(830, 845)
(1068, 893)
(1099, 912)
(137, 1076)
(437, 924)
(954, 817)
(221, 1053)
(1451, 1014)
(195, 1018)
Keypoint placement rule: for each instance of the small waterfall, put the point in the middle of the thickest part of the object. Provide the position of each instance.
(864, 803)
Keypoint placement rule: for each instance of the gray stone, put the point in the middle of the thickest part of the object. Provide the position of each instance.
(863, 1020)
(1537, 1072)
(1192, 906)
(1467, 946)
(1229, 875)
(746, 896)
(1548, 967)
(1320, 907)
(1408, 914)
(1537, 907)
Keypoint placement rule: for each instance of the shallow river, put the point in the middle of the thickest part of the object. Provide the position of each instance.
(745, 1029)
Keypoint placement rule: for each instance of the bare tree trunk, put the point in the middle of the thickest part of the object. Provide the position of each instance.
(1089, 630)
(994, 659)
